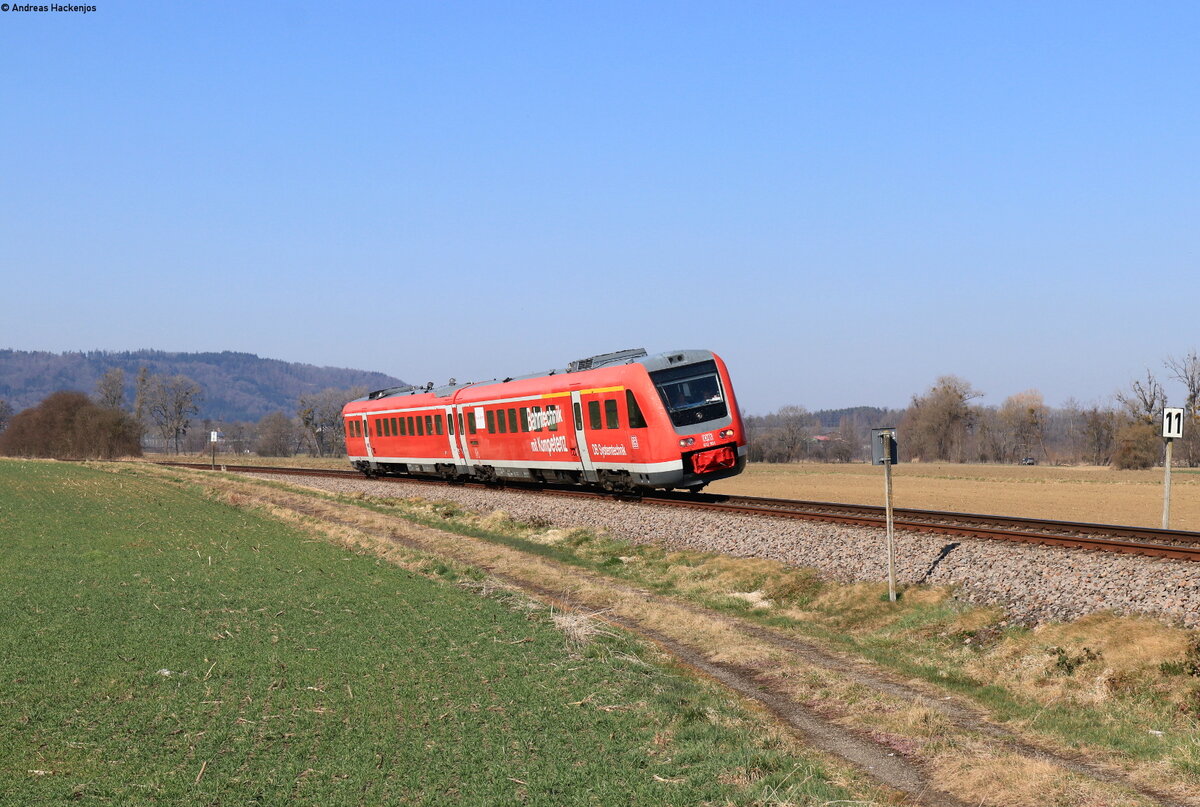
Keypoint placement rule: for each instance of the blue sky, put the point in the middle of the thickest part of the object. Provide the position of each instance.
(846, 200)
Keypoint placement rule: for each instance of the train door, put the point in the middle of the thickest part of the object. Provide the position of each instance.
(585, 456)
(465, 414)
(366, 427)
(453, 432)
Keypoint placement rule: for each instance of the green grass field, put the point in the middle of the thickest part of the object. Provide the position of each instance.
(159, 647)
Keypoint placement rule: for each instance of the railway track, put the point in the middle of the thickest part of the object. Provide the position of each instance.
(1147, 541)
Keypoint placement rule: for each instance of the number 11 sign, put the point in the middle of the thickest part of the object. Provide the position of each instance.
(1172, 423)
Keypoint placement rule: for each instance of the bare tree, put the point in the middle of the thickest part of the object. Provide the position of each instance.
(796, 422)
(141, 394)
(321, 418)
(110, 389)
(937, 423)
(1024, 416)
(1143, 400)
(170, 404)
(277, 435)
(1187, 372)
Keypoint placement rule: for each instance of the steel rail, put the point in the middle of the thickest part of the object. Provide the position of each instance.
(1150, 542)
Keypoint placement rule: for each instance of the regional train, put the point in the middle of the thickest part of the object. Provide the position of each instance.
(621, 421)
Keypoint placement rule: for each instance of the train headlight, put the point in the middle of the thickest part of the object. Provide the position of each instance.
(687, 441)
(727, 433)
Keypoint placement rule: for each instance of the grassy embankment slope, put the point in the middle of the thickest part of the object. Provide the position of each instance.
(158, 646)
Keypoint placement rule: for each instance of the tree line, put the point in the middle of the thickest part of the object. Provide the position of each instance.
(948, 423)
(163, 415)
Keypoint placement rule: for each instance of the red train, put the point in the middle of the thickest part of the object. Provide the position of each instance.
(621, 421)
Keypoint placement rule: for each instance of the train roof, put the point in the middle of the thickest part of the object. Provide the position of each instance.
(639, 355)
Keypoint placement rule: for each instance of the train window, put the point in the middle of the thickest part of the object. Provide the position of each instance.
(437, 423)
(403, 427)
(501, 422)
(420, 426)
(553, 418)
(634, 412)
(394, 430)
(471, 422)
(491, 421)
(612, 420)
(512, 420)
(538, 422)
(450, 423)
(691, 393)
(578, 417)
(411, 430)
(524, 418)
(387, 432)
(594, 420)
(429, 424)
(461, 429)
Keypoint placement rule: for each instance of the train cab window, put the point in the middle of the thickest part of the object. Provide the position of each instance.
(612, 419)
(501, 422)
(491, 421)
(512, 420)
(429, 424)
(420, 426)
(524, 418)
(553, 418)
(594, 420)
(437, 423)
(403, 427)
(633, 411)
(395, 431)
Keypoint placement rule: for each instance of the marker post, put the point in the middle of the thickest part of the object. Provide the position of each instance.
(884, 452)
(1172, 430)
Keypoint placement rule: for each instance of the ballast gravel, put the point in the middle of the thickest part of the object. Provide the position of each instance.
(1032, 584)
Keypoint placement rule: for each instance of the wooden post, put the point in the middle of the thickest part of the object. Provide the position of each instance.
(891, 535)
(1167, 487)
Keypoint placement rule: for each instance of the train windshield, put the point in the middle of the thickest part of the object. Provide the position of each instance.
(692, 394)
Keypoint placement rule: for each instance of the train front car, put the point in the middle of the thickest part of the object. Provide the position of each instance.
(699, 405)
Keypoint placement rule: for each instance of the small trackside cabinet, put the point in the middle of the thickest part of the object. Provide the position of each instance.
(878, 438)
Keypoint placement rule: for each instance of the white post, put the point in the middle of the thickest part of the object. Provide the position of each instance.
(891, 541)
(1167, 487)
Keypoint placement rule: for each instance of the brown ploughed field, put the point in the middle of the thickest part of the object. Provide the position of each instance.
(1089, 493)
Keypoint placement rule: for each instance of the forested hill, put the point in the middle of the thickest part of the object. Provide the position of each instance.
(236, 386)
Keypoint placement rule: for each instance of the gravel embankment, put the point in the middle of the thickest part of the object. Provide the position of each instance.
(1033, 584)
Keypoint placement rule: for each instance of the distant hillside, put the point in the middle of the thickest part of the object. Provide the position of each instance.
(237, 386)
